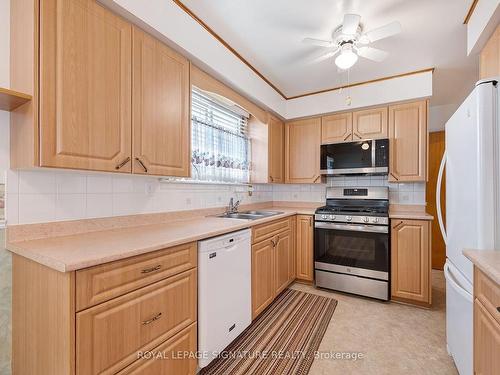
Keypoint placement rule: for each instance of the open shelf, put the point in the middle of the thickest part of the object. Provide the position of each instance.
(10, 99)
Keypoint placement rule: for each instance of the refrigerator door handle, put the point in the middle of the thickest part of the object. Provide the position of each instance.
(449, 277)
(438, 198)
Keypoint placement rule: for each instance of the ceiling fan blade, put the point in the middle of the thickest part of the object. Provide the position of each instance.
(350, 23)
(325, 56)
(382, 32)
(317, 42)
(371, 53)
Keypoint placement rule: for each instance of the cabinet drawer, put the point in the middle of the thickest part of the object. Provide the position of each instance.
(488, 292)
(264, 231)
(165, 358)
(109, 335)
(101, 283)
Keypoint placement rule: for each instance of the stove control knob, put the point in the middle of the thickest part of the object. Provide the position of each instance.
(332, 217)
(323, 216)
(375, 220)
(348, 218)
(365, 219)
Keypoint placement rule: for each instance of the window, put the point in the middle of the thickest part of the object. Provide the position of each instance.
(219, 141)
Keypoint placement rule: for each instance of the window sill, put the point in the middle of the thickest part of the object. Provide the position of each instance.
(198, 182)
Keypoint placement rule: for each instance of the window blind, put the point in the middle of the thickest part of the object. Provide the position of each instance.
(219, 141)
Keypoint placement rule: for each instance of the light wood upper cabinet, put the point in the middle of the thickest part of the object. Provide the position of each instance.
(276, 150)
(370, 124)
(302, 151)
(336, 128)
(161, 97)
(489, 58)
(410, 261)
(85, 86)
(408, 142)
(262, 276)
(305, 248)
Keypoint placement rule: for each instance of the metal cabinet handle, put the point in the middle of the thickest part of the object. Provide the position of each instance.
(271, 178)
(399, 225)
(152, 269)
(317, 178)
(120, 165)
(346, 138)
(142, 164)
(498, 309)
(393, 175)
(153, 319)
(357, 135)
(274, 243)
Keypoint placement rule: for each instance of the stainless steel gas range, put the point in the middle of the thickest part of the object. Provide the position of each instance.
(351, 241)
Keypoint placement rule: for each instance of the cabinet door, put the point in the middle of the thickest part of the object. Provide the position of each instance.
(262, 276)
(410, 260)
(370, 124)
(283, 254)
(165, 359)
(161, 97)
(85, 87)
(408, 142)
(302, 151)
(276, 150)
(486, 341)
(304, 250)
(336, 128)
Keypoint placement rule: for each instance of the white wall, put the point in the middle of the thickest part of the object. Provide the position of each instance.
(185, 34)
(47, 195)
(481, 25)
(387, 91)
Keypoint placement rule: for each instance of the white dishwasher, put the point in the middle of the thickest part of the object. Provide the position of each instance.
(224, 292)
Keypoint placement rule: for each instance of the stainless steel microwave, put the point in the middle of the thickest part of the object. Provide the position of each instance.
(369, 157)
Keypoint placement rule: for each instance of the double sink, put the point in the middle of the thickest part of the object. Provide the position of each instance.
(249, 215)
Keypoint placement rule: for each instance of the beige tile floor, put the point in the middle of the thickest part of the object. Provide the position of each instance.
(394, 338)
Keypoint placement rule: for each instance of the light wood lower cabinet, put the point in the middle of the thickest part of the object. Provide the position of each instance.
(411, 261)
(169, 357)
(305, 248)
(263, 288)
(142, 312)
(486, 324)
(273, 266)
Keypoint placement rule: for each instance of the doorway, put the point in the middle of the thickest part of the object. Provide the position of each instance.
(436, 150)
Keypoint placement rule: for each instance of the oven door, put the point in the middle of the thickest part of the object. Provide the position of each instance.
(361, 157)
(361, 250)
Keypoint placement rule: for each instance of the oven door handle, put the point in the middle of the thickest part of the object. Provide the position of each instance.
(353, 227)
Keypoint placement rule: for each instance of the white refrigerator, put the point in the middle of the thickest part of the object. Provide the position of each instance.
(472, 208)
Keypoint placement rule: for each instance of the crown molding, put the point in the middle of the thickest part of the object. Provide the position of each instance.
(247, 63)
(470, 11)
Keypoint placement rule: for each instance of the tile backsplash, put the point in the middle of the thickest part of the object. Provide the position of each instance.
(40, 195)
(47, 195)
(399, 193)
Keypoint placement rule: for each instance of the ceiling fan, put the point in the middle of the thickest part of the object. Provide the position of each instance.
(351, 41)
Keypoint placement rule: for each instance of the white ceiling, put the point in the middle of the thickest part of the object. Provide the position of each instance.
(269, 35)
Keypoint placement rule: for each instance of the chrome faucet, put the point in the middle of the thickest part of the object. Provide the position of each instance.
(233, 207)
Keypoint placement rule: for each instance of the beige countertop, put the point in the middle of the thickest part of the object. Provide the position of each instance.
(409, 212)
(74, 252)
(488, 261)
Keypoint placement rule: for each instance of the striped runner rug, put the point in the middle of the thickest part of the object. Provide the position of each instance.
(282, 340)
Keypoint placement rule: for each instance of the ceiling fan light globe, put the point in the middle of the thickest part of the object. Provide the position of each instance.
(346, 59)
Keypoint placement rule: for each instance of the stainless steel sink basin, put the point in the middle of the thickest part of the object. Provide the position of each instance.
(249, 215)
